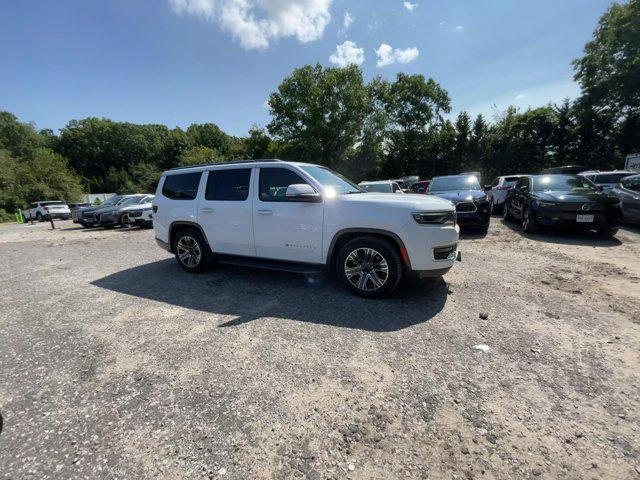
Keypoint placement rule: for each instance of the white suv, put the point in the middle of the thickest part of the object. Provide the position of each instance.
(298, 217)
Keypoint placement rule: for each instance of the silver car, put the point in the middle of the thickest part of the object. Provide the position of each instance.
(607, 181)
(628, 191)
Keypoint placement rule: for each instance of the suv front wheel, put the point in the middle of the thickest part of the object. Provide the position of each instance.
(192, 252)
(369, 266)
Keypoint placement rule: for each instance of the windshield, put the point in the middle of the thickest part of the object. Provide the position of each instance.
(111, 201)
(608, 177)
(330, 179)
(510, 181)
(444, 184)
(377, 187)
(131, 200)
(562, 183)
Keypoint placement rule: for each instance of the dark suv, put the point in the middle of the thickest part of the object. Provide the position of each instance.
(562, 200)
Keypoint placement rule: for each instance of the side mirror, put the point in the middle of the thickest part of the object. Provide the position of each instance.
(600, 187)
(301, 192)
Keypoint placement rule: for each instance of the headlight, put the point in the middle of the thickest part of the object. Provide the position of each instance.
(435, 218)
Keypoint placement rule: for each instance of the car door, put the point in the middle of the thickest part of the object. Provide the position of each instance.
(519, 196)
(286, 229)
(630, 198)
(225, 211)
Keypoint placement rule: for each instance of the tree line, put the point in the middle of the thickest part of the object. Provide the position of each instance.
(365, 130)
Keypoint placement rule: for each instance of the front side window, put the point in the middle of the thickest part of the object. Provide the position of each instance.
(228, 185)
(522, 184)
(631, 183)
(274, 183)
(181, 186)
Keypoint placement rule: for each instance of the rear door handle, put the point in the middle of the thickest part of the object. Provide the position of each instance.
(265, 212)
(207, 210)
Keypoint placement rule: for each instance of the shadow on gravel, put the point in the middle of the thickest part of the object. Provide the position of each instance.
(566, 236)
(249, 294)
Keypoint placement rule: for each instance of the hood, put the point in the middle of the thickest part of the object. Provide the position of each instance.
(457, 196)
(566, 197)
(412, 201)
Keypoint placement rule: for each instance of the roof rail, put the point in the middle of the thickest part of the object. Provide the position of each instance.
(231, 162)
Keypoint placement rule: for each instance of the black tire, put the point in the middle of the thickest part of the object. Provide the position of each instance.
(199, 256)
(484, 229)
(84, 225)
(529, 221)
(39, 217)
(506, 214)
(376, 257)
(124, 221)
(608, 232)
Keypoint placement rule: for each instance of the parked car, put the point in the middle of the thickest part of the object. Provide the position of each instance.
(607, 180)
(382, 186)
(42, 211)
(404, 186)
(86, 217)
(628, 191)
(497, 191)
(420, 186)
(111, 216)
(75, 210)
(472, 205)
(564, 170)
(562, 200)
(141, 215)
(302, 218)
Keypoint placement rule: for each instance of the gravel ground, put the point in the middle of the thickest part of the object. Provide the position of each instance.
(116, 364)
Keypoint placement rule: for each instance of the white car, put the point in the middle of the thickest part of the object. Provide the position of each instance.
(140, 215)
(497, 191)
(42, 211)
(607, 181)
(382, 186)
(302, 217)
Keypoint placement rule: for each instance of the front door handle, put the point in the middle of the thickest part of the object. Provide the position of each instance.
(207, 210)
(265, 212)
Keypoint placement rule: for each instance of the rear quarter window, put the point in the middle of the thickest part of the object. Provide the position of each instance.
(181, 186)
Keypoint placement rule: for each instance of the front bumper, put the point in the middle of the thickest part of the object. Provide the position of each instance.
(610, 218)
(420, 242)
(477, 218)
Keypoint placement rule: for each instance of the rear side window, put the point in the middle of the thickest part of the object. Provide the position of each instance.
(631, 183)
(183, 186)
(228, 185)
(274, 183)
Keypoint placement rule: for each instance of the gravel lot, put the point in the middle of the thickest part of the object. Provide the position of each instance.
(116, 364)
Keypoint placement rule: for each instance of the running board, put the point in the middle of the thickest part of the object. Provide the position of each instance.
(267, 264)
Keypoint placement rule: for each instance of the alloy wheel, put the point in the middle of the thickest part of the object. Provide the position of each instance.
(189, 251)
(366, 269)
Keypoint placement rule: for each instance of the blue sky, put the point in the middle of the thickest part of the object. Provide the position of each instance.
(177, 62)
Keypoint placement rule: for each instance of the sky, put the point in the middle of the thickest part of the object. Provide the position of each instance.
(177, 62)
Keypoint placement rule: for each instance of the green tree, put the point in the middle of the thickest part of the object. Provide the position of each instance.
(609, 71)
(199, 155)
(19, 139)
(318, 113)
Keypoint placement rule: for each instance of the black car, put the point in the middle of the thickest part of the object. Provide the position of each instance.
(562, 200)
(473, 208)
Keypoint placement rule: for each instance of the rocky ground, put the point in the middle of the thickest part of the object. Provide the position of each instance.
(116, 364)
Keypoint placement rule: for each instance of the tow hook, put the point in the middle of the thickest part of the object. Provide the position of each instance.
(459, 256)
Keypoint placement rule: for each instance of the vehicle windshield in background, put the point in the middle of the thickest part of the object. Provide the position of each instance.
(445, 184)
(377, 187)
(110, 201)
(330, 179)
(131, 200)
(609, 177)
(46, 204)
(510, 181)
(562, 183)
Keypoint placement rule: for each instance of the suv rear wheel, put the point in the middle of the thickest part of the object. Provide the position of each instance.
(192, 252)
(369, 266)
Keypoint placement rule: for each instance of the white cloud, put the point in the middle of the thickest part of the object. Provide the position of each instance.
(255, 23)
(410, 6)
(458, 28)
(443, 23)
(346, 54)
(388, 55)
(348, 20)
(520, 96)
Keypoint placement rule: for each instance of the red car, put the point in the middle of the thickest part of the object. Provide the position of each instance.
(420, 187)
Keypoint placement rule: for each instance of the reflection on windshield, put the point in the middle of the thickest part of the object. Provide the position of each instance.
(331, 180)
(563, 183)
(444, 184)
